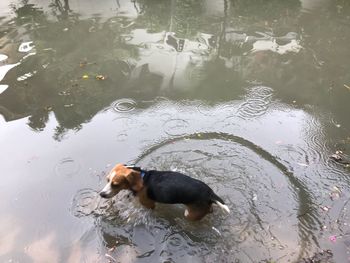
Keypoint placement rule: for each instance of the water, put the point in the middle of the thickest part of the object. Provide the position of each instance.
(250, 97)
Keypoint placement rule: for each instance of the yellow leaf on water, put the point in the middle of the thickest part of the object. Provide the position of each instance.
(85, 76)
(100, 77)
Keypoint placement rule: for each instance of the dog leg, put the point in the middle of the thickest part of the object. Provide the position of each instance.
(186, 213)
(145, 201)
(196, 212)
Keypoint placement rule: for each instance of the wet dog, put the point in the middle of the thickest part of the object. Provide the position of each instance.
(163, 187)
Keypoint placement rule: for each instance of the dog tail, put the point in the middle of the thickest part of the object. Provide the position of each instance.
(217, 200)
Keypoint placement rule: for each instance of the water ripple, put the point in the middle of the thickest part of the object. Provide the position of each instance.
(256, 102)
(175, 127)
(315, 140)
(255, 190)
(85, 202)
(124, 105)
(67, 167)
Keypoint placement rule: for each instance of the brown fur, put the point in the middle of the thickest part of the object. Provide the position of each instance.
(144, 200)
(198, 211)
(125, 178)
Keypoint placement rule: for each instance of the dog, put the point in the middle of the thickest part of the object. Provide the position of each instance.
(163, 187)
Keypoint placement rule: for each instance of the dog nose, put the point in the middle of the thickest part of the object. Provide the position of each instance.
(103, 194)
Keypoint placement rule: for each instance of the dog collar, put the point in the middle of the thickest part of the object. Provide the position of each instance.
(143, 174)
(136, 168)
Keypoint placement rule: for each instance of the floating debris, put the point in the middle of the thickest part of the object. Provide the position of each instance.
(303, 164)
(128, 25)
(216, 230)
(340, 158)
(335, 193)
(83, 64)
(110, 257)
(255, 197)
(333, 238)
(336, 189)
(4, 69)
(346, 86)
(85, 76)
(68, 105)
(26, 47)
(334, 196)
(64, 93)
(319, 257)
(336, 157)
(26, 76)
(112, 249)
(3, 57)
(326, 208)
(3, 88)
(100, 77)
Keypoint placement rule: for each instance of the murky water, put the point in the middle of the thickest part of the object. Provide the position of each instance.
(252, 97)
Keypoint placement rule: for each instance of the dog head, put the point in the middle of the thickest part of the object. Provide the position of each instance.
(119, 178)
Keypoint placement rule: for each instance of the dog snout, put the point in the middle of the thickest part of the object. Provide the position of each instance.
(107, 191)
(103, 194)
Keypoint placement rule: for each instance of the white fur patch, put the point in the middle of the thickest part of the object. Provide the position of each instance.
(225, 207)
(107, 189)
(113, 174)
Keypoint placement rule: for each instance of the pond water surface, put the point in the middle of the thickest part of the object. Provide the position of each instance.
(252, 97)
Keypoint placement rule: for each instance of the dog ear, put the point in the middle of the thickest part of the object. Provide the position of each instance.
(134, 179)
